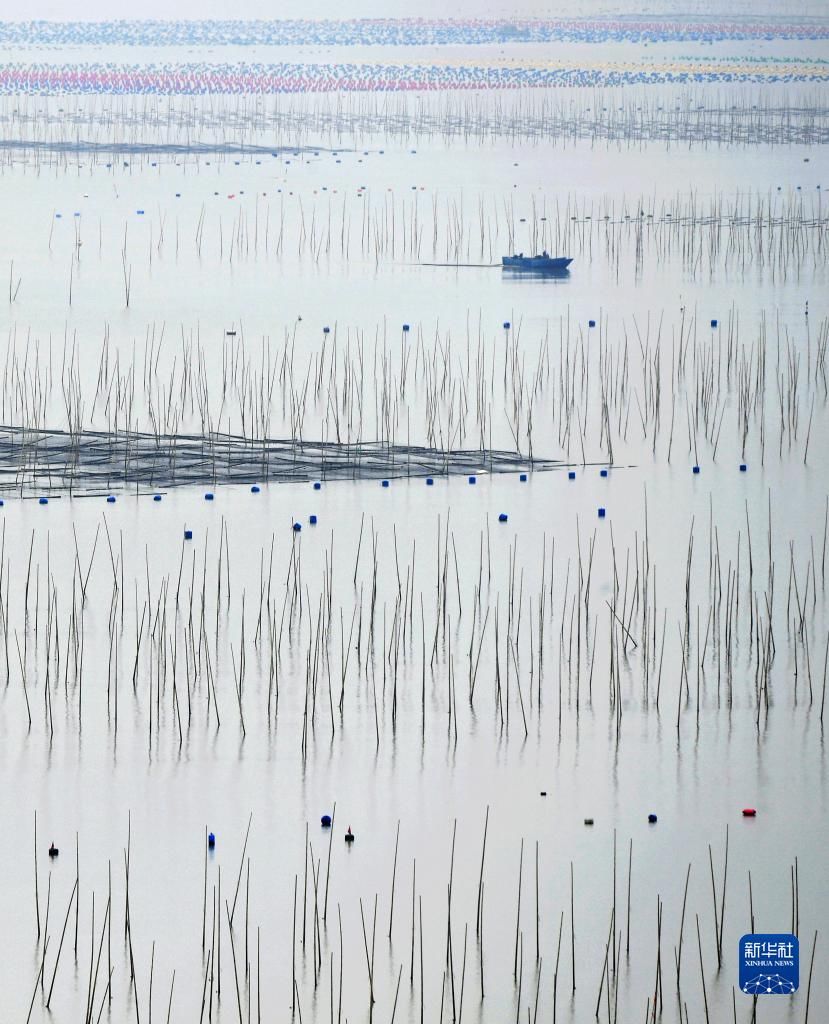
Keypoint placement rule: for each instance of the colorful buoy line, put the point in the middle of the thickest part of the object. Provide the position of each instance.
(269, 79)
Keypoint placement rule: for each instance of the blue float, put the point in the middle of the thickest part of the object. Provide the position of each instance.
(523, 478)
(326, 330)
(429, 481)
(506, 325)
(43, 501)
(571, 475)
(111, 499)
(188, 534)
(385, 483)
(312, 519)
(325, 821)
(473, 480)
(211, 840)
(254, 489)
(297, 527)
(743, 467)
(696, 469)
(405, 328)
(317, 485)
(156, 497)
(591, 323)
(713, 323)
(208, 496)
(502, 518)
(652, 819)
(602, 513)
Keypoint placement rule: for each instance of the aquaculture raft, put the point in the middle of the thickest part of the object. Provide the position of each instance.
(94, 458)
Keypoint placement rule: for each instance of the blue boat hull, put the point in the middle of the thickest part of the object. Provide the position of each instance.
(536, 264)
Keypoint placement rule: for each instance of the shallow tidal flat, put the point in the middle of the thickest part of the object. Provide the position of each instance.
(310, 509)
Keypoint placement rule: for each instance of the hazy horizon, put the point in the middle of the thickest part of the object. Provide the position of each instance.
(207, 10)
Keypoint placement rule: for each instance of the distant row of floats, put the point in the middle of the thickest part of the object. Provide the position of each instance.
(363, 190)
(326, 821)
(313, 519)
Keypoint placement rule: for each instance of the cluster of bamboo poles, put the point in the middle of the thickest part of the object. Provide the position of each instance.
(120, 980)
(575, 392)
(178, 635)
(46, 129)
(780, 231)
(391, 661)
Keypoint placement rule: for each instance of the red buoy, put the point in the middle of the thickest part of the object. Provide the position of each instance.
(749, 812)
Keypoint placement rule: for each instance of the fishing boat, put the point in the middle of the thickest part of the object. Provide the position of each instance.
(545, 263)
